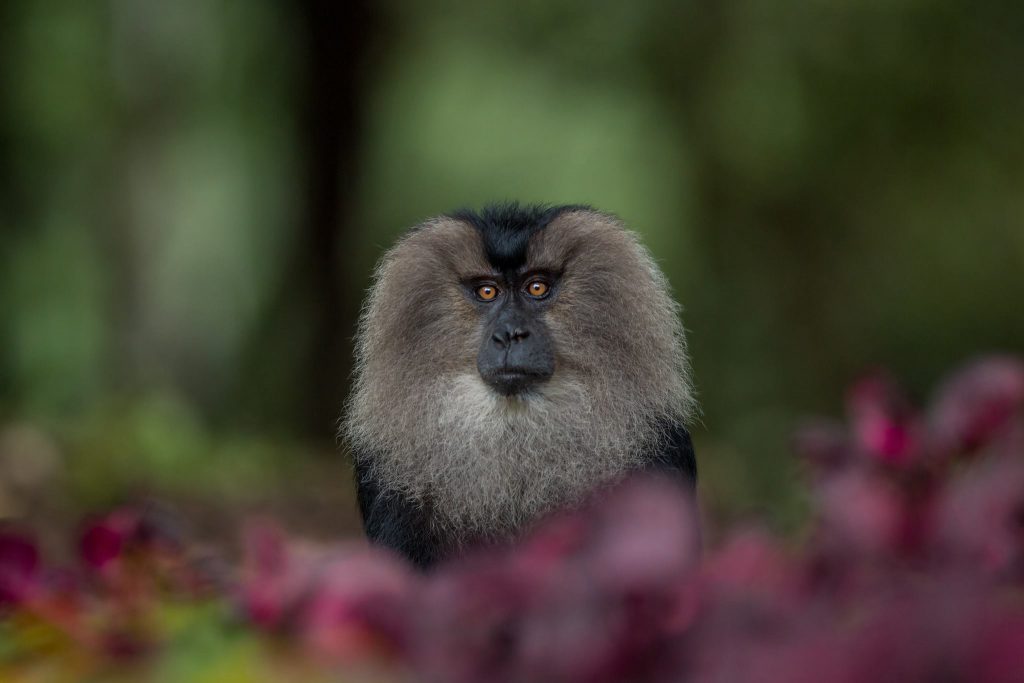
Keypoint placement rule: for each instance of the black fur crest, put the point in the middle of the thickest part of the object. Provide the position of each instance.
(507, 227)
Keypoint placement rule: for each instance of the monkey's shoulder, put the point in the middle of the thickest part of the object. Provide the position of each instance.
(392, 521)
(674, 454)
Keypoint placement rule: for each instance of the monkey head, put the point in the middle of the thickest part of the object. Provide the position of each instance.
(510, 359)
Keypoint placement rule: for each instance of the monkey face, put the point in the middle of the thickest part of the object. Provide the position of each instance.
(516, 350)
(524, 300)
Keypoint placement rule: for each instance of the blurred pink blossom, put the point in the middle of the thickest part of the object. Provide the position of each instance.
(884, 424)
(977, 404)
(19, 567)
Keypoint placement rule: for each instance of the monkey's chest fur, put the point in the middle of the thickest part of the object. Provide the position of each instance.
(473, 476)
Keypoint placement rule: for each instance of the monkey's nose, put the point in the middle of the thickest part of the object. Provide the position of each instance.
(509, 336)
(515, 355)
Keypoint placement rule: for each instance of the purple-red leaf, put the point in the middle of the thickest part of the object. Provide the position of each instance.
(977, 404)
(19, 567)
(883, 422)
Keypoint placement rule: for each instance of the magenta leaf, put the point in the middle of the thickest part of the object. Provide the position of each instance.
(981, 519)
(19, 567)
(358, 607)
(883, 423)
(101, 544)
(977, 404)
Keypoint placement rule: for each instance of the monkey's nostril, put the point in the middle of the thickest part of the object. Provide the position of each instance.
(500, 340)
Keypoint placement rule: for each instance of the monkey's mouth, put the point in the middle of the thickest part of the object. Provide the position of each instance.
(514, 381)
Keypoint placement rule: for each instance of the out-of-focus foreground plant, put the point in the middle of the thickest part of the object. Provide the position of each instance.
(912, 570)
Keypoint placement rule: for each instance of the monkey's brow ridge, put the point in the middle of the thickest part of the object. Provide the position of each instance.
(506, 228)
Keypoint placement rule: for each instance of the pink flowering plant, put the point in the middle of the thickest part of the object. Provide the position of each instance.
(912, 569)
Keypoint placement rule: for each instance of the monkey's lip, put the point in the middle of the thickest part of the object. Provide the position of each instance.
(509, 381)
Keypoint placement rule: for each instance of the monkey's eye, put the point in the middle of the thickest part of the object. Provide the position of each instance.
(486, 292)
(537, 289)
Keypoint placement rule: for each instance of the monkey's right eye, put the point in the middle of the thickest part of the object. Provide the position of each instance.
(486, 292)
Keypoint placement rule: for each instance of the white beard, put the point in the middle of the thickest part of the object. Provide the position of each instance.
(489, 464)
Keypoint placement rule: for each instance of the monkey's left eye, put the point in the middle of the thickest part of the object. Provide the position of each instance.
(537, 289)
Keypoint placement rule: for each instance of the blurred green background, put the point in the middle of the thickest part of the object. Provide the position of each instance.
(193, 194)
